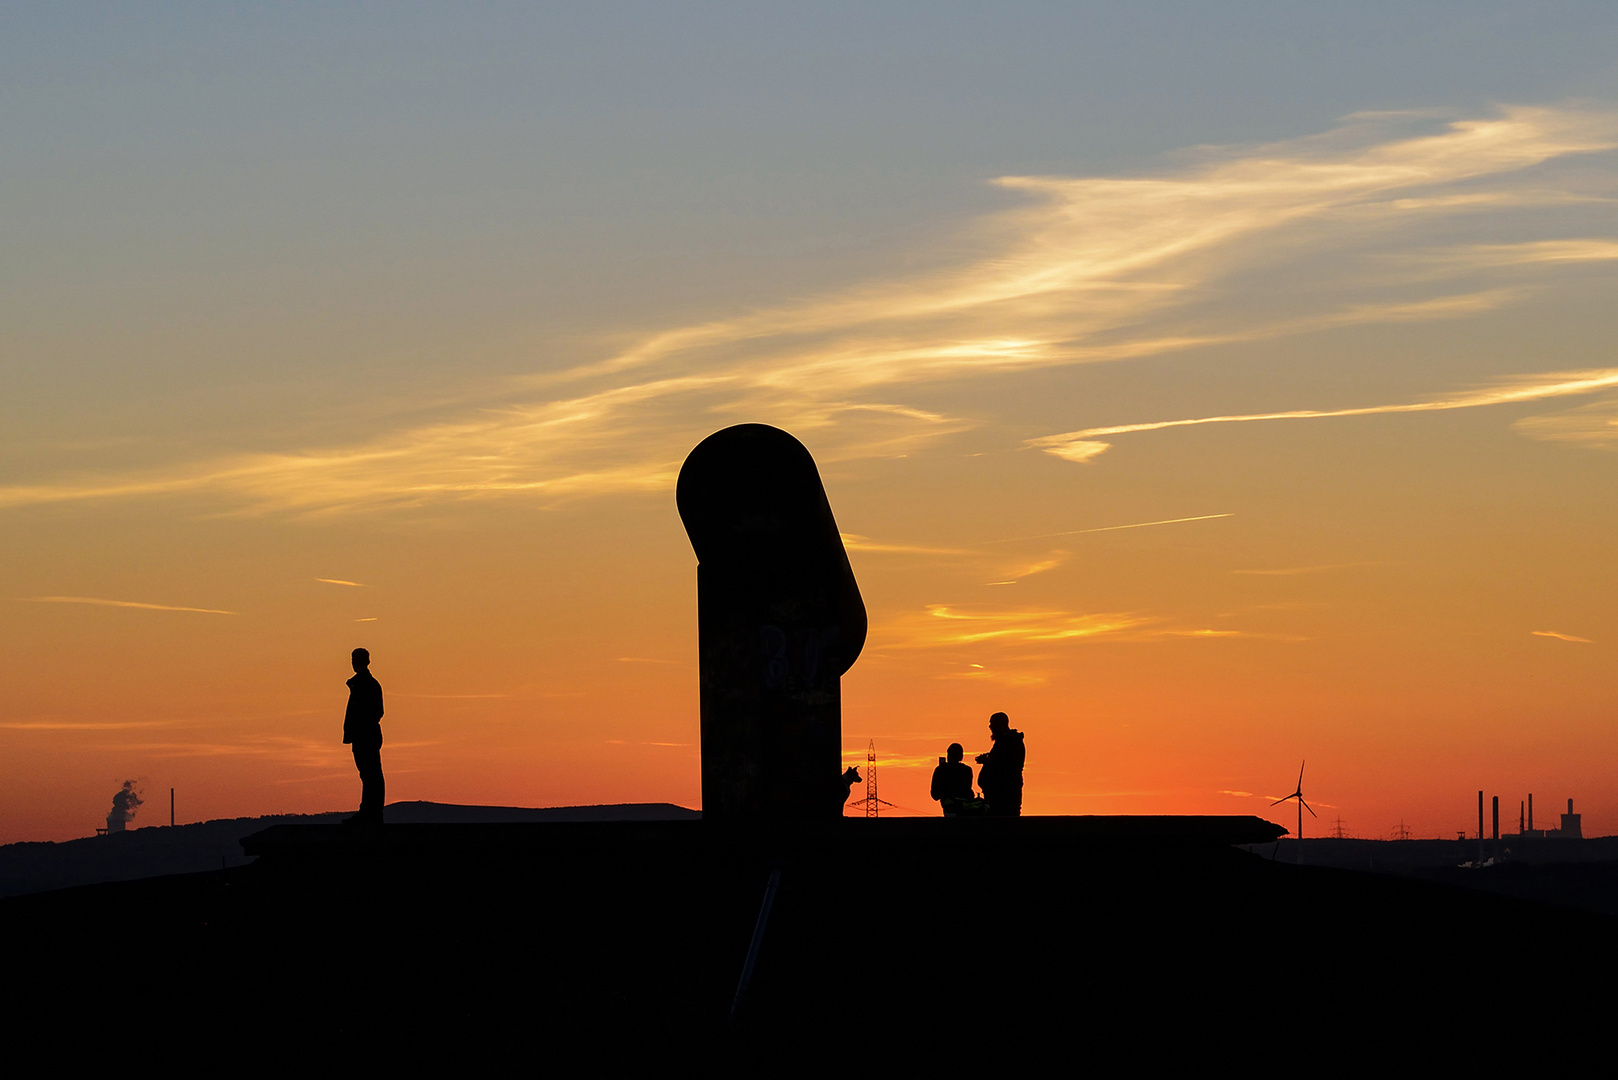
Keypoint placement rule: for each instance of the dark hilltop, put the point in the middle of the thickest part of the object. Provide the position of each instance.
(154, 851)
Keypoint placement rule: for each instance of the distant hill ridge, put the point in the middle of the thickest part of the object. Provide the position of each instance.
(154, 851)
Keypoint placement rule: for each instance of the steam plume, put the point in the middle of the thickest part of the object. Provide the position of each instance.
(123, 807)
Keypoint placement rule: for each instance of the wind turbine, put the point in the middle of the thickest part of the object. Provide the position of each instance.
(1302, 806)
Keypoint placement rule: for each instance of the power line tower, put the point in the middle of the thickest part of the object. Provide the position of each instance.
(1402, 832)
(1338, 831)
(870, 780)
(870, 804)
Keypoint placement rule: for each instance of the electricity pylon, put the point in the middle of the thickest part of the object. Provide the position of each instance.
(871, 803)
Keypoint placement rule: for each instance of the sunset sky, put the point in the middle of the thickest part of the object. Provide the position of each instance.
(1209, 387)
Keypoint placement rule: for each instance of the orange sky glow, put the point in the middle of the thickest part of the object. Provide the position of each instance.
(1243, 454)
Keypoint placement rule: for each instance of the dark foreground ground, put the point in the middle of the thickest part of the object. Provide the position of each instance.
(1561, 873)
(953, 948)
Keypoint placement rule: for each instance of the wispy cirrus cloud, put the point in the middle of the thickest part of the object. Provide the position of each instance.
(98, 601)
(1530, 253)
(1110, 528)
(1001, 675)
(1561, 637)
(1018, 573)
(1594, 426)
(291, 750)
(958, 627)
(1084, 270)
(1297, 571)
(855, 756)
(91, 725)
(451, 697)
(945, 625)
(856, 542)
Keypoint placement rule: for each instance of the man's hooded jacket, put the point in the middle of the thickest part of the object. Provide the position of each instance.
(1002, 767)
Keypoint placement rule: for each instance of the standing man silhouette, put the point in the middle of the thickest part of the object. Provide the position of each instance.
(362, 729)
(1001, 775)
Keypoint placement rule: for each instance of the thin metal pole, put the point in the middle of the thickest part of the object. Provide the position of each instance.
(171, 808)
(758, 940)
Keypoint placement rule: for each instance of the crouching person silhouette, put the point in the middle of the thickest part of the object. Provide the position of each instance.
(1001, 774)
(952, 784)
(362, 729)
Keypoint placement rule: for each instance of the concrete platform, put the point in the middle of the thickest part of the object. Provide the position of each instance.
(1042, 834)
(906, 946)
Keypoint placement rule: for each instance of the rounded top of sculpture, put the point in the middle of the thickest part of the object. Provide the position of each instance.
(758, 518)
(753, 485)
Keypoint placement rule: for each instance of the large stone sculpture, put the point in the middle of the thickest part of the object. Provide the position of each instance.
(779, 620)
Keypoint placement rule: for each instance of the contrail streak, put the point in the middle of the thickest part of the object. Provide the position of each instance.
(1081, 445)
(121, 603)
(1108, 528)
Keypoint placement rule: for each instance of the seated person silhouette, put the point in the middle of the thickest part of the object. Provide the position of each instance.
(952, 784)
(1001, 774)
(362, 729)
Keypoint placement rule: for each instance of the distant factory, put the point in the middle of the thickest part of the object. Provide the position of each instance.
(1468, 851)
(1570, 828)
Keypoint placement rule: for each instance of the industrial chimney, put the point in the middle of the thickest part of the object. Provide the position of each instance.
(1570, 824)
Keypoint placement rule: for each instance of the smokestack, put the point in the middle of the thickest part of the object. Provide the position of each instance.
(123, 807)
(1521, 818)
(1480, 817)
(1530, 811)
(171, 808)
(1496, 833)
(1570, 824)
